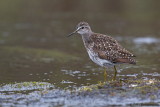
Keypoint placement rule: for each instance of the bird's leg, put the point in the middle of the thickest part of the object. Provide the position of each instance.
(115, 74)
(105, 75)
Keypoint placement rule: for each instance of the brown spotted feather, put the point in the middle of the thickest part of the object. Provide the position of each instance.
(109, 49)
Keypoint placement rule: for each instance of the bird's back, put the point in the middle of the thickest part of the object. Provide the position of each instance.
(109, 49)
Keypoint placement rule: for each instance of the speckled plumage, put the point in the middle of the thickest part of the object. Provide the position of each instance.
(109, 49)
(102, 49)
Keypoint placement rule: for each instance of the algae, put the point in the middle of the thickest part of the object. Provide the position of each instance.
(25, 86)
(130, 92)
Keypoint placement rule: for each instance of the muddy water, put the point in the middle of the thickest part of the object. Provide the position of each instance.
(34, 46)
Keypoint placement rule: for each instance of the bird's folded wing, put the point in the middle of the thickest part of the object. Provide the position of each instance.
(108, 48)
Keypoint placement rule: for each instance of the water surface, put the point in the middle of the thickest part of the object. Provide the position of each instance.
(34, 46)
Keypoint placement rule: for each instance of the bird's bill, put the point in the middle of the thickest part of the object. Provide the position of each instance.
(73, 32)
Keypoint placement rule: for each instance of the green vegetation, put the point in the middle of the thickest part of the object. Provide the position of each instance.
(145, 90)
(138, 87)
(26, 86)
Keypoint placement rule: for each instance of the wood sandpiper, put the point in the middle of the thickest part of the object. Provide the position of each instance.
(103, 49)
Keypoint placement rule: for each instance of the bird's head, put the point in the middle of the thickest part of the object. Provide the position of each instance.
(82, 28)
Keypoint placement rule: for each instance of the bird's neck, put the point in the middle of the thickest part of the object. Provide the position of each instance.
(86, 39)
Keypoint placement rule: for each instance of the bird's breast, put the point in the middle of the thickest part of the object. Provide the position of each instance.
(95, 58)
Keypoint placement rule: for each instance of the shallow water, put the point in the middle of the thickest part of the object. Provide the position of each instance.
(34, 46)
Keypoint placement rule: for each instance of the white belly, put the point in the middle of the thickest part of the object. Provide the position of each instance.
(102, 62)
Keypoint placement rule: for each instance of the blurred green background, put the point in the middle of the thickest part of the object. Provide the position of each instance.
(34, 47)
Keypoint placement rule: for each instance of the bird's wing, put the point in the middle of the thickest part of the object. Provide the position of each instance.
(108, 48)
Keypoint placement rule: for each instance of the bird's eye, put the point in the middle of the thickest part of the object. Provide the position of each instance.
(82, 27)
